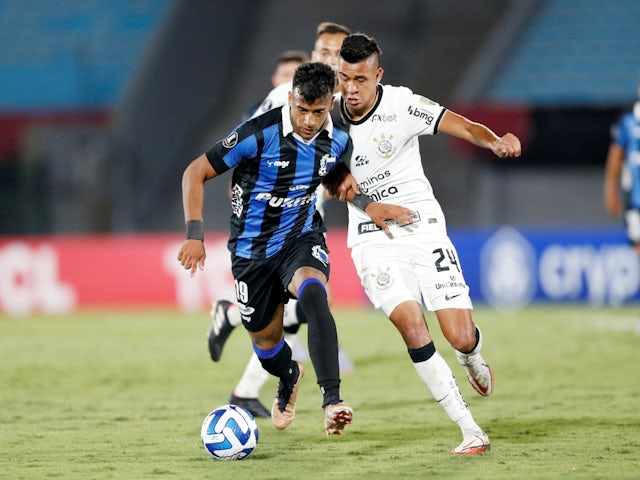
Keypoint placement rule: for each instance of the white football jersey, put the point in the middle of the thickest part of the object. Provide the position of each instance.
(277, 97)
(387, 166)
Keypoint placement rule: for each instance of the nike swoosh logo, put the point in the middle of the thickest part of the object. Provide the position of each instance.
(451, 297)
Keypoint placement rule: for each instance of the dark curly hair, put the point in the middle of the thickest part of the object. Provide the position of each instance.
(358, 47)
(314, 81)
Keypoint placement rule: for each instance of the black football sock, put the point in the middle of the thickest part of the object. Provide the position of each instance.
(278, 362)
(323, 337)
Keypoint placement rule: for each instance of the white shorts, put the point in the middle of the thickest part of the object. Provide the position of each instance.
(422, 268)
(632, 222)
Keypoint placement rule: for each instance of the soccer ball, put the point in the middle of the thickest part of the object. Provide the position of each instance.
(229, 433)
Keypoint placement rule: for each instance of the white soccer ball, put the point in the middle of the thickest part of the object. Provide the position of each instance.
(229, 433)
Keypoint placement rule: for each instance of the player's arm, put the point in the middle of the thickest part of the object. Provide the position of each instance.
(453, 124)
(341, 183)
(379, 212)
(612, 173)
(192, 254)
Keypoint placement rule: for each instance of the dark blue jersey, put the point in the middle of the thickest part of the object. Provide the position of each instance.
(273, 191)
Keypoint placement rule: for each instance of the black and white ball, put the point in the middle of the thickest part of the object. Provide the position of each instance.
(229, 433)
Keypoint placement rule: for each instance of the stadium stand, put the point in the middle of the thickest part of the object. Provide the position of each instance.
(70, 68)
(573, 52)
(71, 54)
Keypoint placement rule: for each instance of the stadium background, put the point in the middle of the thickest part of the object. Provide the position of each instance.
(104, 103)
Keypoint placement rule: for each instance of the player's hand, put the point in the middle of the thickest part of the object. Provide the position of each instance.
(192, 255)
(348, 183)
(507, 146)
(613, 204)
(381, 213)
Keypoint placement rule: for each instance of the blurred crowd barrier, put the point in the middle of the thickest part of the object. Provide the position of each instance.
(505, 268)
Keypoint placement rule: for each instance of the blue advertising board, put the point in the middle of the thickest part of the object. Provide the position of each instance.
(512, 267)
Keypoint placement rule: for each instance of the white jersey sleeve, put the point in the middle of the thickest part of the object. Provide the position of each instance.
(277, 97)
(387, 165)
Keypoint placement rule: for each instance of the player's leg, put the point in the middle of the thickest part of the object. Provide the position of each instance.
(261, 296)
(247, 391)
(390, 281)
(446, 292)
(291, 327)
(323, 348)
(437, 375)
(306, 272)
(224, 318)
(466, 339)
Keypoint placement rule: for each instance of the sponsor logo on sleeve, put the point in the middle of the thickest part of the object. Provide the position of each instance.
(420, 113)
(231, 140)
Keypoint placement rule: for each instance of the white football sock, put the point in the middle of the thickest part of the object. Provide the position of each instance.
(439, 379)
(252, 380)
(233, 314)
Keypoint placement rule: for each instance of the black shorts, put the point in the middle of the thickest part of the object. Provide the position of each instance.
(261, 285)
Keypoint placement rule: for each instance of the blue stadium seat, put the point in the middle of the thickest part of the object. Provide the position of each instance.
(574, 52)
(71, 54)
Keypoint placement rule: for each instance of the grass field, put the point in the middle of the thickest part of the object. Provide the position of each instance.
(102, 395)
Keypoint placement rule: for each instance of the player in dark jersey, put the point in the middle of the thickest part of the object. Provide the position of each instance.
(277, 244)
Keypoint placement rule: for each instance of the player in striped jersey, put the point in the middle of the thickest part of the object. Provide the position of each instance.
(224, 313)
(276, 242)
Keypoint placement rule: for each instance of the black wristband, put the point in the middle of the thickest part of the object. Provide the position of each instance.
(361, 201)
(195, 230)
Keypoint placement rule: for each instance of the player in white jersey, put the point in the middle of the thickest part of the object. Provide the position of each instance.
(224, 314)
(326, 49)
(412, 264)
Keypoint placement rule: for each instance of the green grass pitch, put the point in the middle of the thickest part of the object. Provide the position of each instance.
(121, 395)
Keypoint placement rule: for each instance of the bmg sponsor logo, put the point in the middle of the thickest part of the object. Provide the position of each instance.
(418, 112)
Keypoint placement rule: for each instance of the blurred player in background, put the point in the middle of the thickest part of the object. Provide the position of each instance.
(326, 49)
(284, 66)
(622, 174)
(224, 314)
(417, 262)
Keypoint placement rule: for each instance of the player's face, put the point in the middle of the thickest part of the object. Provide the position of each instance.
(284, 72)
(308, 118)
(358, 84)
(327, 49)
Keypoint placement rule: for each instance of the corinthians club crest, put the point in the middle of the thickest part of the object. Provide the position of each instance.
(384, 146)
(383, 280)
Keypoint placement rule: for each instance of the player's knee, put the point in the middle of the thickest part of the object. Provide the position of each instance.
(465, 340)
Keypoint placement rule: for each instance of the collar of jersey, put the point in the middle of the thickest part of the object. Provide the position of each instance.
(287, 127)
(346, 116)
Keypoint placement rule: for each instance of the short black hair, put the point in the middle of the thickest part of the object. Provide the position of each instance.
(358, 47)
(331, 28)
(299, 56)
(314, 81)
